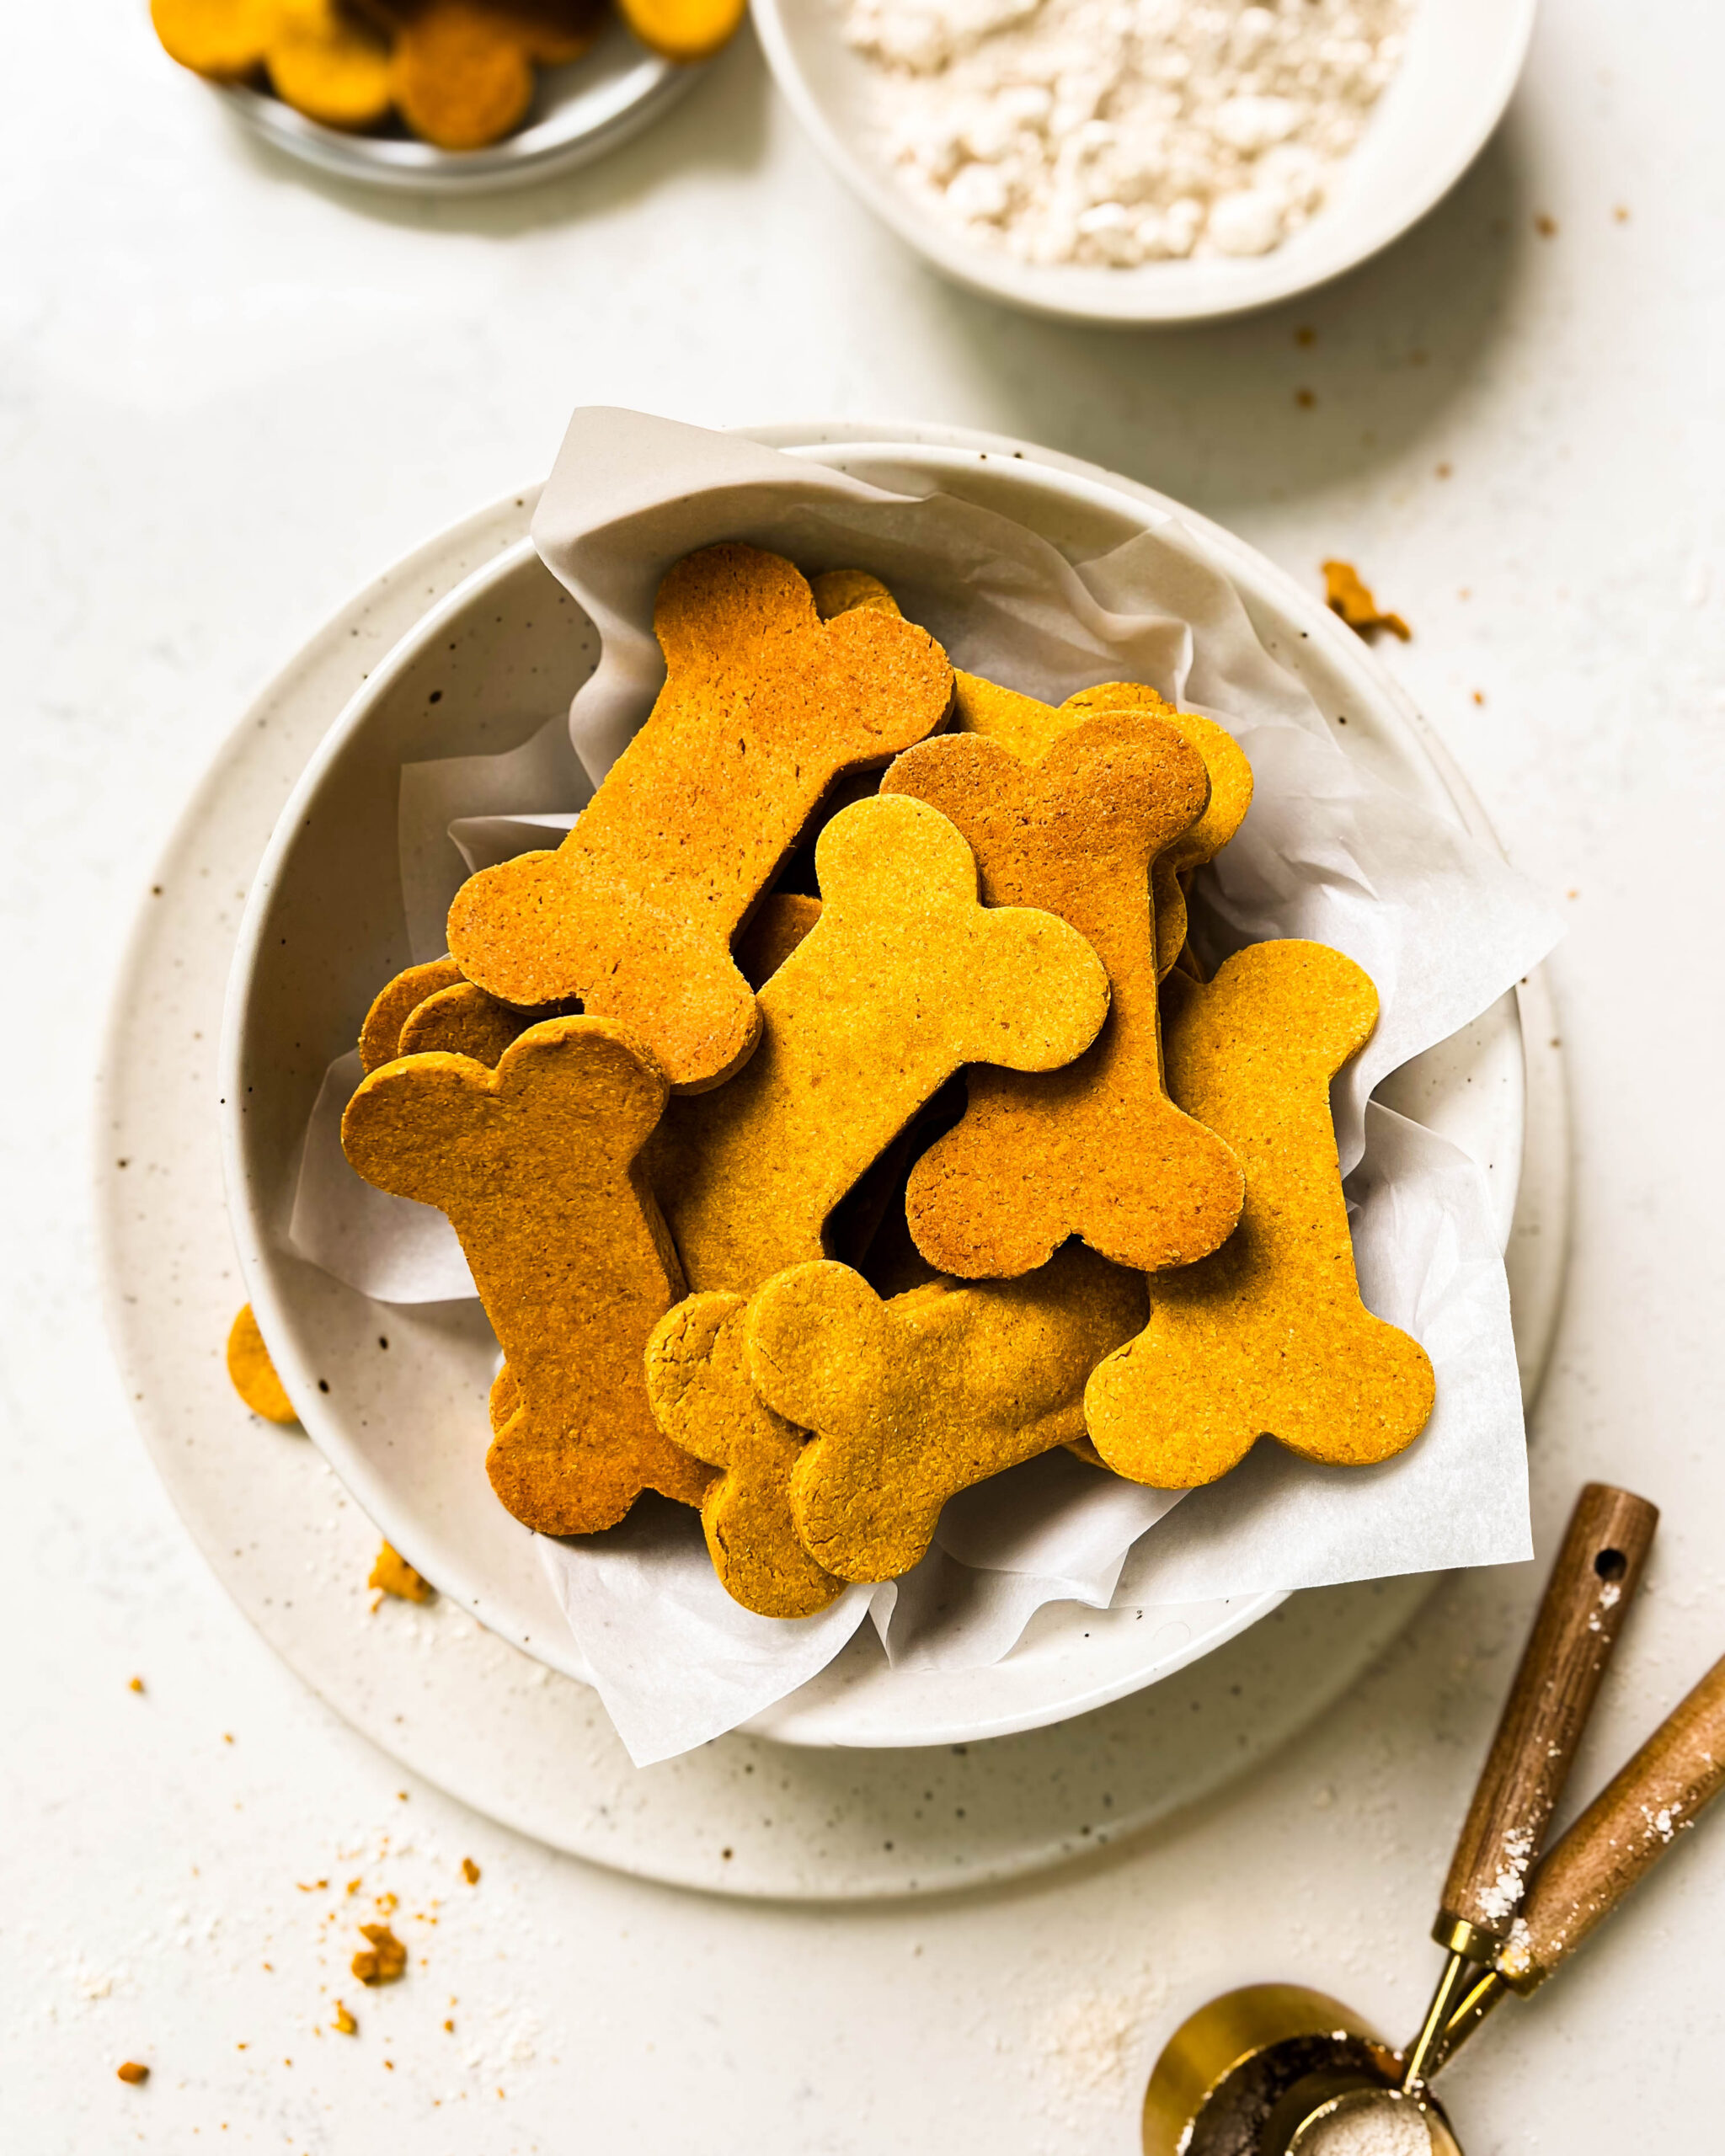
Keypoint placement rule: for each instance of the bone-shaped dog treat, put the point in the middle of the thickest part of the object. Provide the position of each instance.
(697, 1382)
(1097, 1149)
(905, 977)
(1269, 1337)
(461, 1021)
(1028, 729)
(912, 1401)
(395, 1003)
(535, 1165)
(1229, 798)
(764, 704)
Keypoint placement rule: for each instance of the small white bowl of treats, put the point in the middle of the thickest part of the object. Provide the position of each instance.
(1147, 160)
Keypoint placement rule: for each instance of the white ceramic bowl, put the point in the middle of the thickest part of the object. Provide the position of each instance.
(580, 112)
(405, 1427)
(1463, 59)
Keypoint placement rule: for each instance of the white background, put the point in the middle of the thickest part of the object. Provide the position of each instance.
(230, 394)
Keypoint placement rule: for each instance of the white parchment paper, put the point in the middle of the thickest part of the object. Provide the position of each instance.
(1440, 923)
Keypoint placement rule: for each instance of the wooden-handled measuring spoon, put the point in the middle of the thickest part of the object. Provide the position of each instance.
(1634, 1822)
(1237, 2061)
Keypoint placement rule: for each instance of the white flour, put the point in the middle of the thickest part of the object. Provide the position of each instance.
(1377, 2129)
(1121, 131)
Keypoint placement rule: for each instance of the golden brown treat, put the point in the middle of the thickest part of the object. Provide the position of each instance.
(686, 30)
(1028, 729)
(461, 1021)
(774, 929)
(764, 705)
(392, 1574)
(1096, 1149)
(253, 1374)
(536, 1166)
(328, 65)
(912, 1401)
(462, 80)
(224, 40)
(385, 1961)
(906, 976)
(1269, 1337)
(394, 1004)
(699, 1383)
(343, 2023)
(1346, 595)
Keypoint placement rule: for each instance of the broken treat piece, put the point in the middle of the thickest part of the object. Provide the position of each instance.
(697, 1380)
(1269, 1337)
(1346, 595)
(906, 976)
(384, 1961)
(1096, 1149)
(392, 1574)
(253, 1374)
(536, 1166)
(912, 1401)
(763, 705)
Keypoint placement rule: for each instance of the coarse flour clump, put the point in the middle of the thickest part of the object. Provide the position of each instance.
(1121, 131)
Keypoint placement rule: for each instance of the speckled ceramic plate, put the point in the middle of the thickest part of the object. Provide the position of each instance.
(579, 113)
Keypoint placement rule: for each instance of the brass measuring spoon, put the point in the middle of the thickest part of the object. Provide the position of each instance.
(1633, 1822)
(1228, 2067)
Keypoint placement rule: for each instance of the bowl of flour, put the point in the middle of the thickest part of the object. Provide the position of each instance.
(1147, 160)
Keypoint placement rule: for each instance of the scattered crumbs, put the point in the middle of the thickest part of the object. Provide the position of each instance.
(449, 2027)
(311, 1886)
(1571, 894)
(470, 1871)
(392, 1574)
(227, 1737)
(135, 1684)
(1479, 695)
(389, 1903)
(1465, 592)
(134, 2072)
(353, 1887)
(384, 1961)
(1345, 595)
(401, 1797)
(345, 2024)
(1546, 226)
(1620, 214)
(1304, 398)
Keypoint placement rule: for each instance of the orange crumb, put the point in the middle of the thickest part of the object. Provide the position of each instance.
(470, 1871)
(345, 2024)
(315, 1887)
(450, 2025)
(134, 2071)
(1622, 214)
(388, 1903)
(135, 1684)
(384, 1961)
(353, 1887)
(392, 1574)
(1547, 227)
(1346, 595)
(1479, 695)
(227, 1737)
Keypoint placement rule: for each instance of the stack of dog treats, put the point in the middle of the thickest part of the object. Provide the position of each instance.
(811, 1199)
(458, 73)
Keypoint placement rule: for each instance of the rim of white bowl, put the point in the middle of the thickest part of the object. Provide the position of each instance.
(1140, 297)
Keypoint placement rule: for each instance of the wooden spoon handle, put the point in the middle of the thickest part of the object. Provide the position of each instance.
(1592, 1583)
(1621, 1835)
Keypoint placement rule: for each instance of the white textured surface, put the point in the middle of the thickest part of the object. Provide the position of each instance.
(228, 396)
